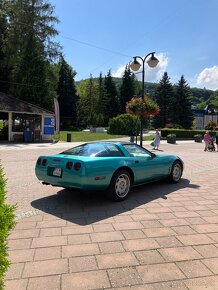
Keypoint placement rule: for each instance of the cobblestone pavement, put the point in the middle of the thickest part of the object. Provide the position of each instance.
(163, 237)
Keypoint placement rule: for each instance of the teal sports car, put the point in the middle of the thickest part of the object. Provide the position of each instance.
(113, 167)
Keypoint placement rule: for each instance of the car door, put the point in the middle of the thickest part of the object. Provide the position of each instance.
(148, 168)
(146, 165)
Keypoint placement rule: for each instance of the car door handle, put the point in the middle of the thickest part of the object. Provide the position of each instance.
(136, 161)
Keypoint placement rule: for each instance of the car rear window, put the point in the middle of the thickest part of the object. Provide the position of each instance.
(95, 150)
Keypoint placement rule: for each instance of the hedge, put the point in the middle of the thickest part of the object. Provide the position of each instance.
(181, 133)
(6, 224)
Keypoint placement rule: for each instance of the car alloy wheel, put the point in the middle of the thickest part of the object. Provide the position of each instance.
(122, 185)
(176, 172)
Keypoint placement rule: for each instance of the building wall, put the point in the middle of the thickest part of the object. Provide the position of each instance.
(202, 121)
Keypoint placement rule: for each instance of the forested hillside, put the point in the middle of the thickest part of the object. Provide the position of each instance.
(199, 97)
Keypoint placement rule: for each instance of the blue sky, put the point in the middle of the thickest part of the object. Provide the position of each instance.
(98, 35)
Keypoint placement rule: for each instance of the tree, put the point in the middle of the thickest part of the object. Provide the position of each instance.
(4, 70)
(67, 97)
(29, 49)
(88, 103)
(110, 101)
(99, 114)
(27, 17)
(164, 98)
(31, 75)
(92, 102)
(127, 89)
(182, 112)
(100, 94)
(212, 100)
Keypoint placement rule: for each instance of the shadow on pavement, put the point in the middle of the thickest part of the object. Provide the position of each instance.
(84, 208)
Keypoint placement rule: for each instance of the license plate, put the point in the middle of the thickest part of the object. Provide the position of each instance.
(57, 172)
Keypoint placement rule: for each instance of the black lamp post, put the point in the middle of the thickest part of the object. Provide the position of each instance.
(135, 65)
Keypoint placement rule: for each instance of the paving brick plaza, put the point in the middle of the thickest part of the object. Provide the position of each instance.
(162, 237)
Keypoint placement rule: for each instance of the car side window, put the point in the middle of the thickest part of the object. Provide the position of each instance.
(113, 150)
(135, 150)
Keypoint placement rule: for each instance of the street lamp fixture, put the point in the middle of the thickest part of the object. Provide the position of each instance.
(135, 66)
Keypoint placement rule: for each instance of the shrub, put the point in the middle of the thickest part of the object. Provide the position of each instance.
(211, 125)
(2, 124)
(198, 136)
(124, 124)
(171, 135)
(6, 223)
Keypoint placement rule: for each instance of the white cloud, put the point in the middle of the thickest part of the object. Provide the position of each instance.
(119, 72)
(208, 78)
(151, 74)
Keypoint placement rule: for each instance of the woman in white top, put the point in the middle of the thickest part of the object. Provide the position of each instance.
(156, 139)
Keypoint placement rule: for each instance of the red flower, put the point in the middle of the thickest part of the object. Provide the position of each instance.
(142, 107)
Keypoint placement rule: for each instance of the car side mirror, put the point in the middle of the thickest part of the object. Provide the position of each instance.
(153, 155)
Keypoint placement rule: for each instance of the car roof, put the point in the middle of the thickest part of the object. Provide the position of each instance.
(110, 142)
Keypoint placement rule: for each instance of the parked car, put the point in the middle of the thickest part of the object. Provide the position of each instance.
(113, 167)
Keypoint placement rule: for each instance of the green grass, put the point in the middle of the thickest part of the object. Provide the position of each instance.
(85, 136)
(6, 224)
(148, 138)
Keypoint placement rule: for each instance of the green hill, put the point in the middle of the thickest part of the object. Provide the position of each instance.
(199, 96)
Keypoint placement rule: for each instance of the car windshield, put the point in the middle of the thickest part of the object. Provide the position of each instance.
(95, 150)
(135, 150)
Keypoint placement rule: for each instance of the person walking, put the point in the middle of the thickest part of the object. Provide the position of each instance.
(157, 139)
(206, 140)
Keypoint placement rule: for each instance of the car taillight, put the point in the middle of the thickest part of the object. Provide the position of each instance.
(44, 162)
(39, 161)
(77, 166)
(69, 165)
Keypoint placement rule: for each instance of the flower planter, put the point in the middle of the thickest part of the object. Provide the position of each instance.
(198, 139)
(142, 107)
(171, 140)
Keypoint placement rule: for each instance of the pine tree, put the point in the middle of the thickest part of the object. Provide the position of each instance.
(31, 76)
(164, 98)
(4, 70)
(127, 89)
(110, 101)
(29, 48)
(67, 95)
(92, 102)
(183, 114)
(28, 17)
(100, 94)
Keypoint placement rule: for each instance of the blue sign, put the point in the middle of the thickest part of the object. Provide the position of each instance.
(48, 121)
(49, 130)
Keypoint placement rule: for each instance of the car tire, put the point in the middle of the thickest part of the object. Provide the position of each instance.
(120, 185)
(176, 172)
